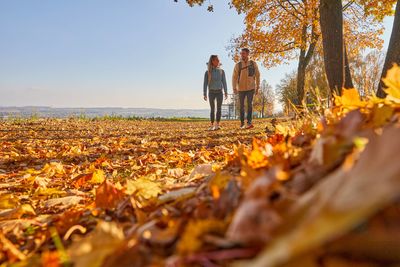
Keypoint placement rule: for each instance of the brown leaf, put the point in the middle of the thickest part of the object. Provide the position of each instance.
(253, 222)
(176, 173)
(108, 196)
(63, 202)
(16, 213)
(96, 246)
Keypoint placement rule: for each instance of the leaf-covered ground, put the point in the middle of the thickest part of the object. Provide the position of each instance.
(321, 190)
(66, 176)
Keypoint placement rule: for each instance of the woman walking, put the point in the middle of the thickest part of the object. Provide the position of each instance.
(215, 81)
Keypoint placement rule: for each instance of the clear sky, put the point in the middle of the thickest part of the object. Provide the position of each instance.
(103, 53)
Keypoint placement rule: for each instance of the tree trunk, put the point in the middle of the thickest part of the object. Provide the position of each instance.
(348, 81)
(393, 53)
(301, 78)
(304, 60)
(331, 21)
(263, 103)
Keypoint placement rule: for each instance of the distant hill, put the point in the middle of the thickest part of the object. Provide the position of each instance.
(50, 112)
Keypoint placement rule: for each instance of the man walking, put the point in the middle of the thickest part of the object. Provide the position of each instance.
(246, 82)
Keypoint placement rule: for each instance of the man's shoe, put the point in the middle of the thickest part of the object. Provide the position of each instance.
(212, 128)
(242, 126)
(216, 128)
(250, 126)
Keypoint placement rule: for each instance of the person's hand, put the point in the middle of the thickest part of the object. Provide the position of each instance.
(235, 91)
(226, 96)
(205, 98)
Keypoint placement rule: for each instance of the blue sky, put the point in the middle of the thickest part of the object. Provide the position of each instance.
(103, 53)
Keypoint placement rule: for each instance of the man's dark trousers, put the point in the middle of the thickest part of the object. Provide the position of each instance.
(249, 95)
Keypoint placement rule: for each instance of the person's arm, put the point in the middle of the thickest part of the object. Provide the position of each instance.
(224, 83)
(235, 78)
(205, 84)
(257, 77)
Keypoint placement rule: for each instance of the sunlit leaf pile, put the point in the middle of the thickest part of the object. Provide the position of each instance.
(313, 191)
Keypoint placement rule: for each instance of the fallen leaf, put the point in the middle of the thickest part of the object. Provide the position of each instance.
(108, 196)
(392, 82)
(200, 171)
(63, 202)
(8, 201)
(191, 239)
(143, 187)
(91, 250)
(176, 173)
(178, 194)
(16, 213)
(350, 98)
(97, 177)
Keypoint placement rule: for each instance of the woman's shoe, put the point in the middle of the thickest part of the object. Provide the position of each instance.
(242, 126)
(212, 128)
(217, 127)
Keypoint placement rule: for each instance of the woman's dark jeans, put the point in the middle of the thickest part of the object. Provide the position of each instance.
(219, 97)
(249, 95)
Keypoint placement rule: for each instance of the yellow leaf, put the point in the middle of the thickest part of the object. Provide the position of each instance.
(8, 201)
(257, 158)
(282, 129)
(143, 187)
(285, 129)
(98, 177)
(381, 115)
(53, 168)
(392, 82)
(349, 98)
(40, 191)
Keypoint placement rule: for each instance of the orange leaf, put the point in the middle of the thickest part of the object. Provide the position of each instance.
(80, 180)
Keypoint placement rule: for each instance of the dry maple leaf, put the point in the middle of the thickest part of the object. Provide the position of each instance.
(91, 250)
(392, 81)
(349, 99)
(108, 196)
(143, 188)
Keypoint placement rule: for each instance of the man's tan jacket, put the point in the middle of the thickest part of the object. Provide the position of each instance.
(246, 83)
